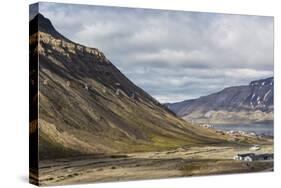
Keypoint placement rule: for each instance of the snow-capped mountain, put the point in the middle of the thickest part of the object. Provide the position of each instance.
(253, 102)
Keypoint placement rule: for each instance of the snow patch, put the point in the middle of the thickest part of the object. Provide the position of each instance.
(265, 96)
(258, 100)
(252, 106)
(253, 96)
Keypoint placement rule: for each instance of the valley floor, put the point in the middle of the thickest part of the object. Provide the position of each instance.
(184, 161)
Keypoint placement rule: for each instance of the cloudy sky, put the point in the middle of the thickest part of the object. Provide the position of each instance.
(173, 55)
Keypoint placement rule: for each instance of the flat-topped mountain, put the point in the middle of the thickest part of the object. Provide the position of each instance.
(253, 102)
(87, 106)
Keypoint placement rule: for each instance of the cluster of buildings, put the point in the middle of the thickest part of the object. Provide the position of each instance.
(254, 157)
(239, 133)
(206, 126)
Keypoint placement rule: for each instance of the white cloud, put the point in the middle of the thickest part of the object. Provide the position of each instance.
(172, 51)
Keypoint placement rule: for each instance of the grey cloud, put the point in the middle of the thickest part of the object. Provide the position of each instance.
(33, 10)
(173, 55)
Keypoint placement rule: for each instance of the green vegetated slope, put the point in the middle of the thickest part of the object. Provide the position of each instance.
(87, 106)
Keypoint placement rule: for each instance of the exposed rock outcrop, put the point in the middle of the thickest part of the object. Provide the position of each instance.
(249, 103)
(87, 106)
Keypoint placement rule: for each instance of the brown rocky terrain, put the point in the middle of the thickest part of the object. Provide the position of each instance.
(87, 106)
(94, 124)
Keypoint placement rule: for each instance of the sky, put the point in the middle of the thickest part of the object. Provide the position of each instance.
(172, 55)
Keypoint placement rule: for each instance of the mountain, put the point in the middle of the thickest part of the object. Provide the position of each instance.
(248, 103)
(87, 106)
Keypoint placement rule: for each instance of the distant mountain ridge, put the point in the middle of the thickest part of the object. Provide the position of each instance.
(87, 106)
(253, 102)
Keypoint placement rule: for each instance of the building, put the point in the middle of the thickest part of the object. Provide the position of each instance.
(244, 157)
(254, 157)
(265, 157)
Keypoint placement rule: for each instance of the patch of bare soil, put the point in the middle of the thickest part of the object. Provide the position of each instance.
(181, 162)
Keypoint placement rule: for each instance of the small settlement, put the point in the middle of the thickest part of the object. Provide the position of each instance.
(245, 156)
(253, 157)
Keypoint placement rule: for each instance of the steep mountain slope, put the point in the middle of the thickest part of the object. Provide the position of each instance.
(253, 102)
(87, 106)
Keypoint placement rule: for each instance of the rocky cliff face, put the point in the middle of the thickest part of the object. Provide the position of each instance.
(87, 106)
(249, 103)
